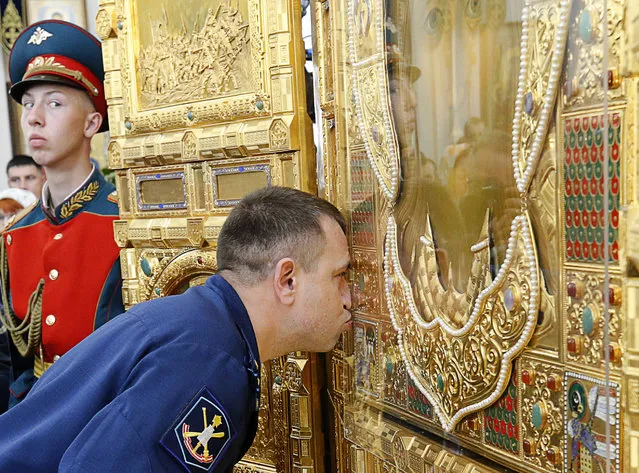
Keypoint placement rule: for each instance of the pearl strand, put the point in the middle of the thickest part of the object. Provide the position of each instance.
(519, 225)
(561, 35)
(390, 192)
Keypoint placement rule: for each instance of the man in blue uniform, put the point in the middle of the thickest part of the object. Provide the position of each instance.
(61, 276)
(173, 384)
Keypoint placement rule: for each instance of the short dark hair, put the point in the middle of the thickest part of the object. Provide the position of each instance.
(270, 224)
(22, 160)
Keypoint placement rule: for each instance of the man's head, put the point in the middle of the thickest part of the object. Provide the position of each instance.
(294, 245)
(24, 173)
(57, 52)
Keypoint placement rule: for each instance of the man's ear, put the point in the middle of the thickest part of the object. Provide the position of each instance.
(285, 281)
(92, 124)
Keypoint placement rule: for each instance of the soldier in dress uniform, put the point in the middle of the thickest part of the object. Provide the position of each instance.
(174, 384)
(60, 270)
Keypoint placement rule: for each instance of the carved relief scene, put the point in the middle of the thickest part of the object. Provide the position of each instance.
(192, 54)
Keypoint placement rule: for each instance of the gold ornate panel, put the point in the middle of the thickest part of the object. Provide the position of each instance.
(489, 172)
(207, 103)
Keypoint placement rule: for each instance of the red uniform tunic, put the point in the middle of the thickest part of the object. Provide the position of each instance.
(73, 250)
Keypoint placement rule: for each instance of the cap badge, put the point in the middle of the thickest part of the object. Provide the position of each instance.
(39, 36)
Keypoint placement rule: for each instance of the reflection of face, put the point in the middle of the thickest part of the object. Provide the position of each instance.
(404, 106)
(54, 119)
(429, 172)
(27, 177)
(324, 292)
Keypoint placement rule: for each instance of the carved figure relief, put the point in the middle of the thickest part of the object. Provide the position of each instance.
(209, 59)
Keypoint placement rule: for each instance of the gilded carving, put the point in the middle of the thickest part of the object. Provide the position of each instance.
(585, 319)
(541, 428)
(105, 22)
(582, 80)
(278, 135)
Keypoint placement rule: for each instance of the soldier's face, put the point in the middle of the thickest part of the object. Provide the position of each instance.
(325, 295)
(55, 123)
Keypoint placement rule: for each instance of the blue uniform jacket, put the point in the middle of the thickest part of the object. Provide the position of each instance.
(170, 386)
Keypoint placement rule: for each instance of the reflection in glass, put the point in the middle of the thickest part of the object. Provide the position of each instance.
(452, 71)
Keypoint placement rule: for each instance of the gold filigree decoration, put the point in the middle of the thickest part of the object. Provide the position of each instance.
(589, 347)
(78, 200)
(464, 369)
(12, 25)
(278, 135)
(547, 404)
(370, 89)
(544, 35)
(212, 61)
(585, 67)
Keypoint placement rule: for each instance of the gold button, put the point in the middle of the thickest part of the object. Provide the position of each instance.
(58, 236)
(53, 274)
(56, 358)
(50, 320)
(9, 239)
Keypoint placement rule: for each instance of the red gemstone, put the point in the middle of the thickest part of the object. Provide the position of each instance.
(577, 218)
(614, 218)
(568, 126)
(593, 155)
(584, 155)
(577, 124)
(586, 250)
(569, 251)
(615, 120)
(572, 345)
(509, 404)
(578, 249)
(551, 382)
(572, 292)
(511, 431)
(601, 186)
(593, 186)
(595, 250)
(612, 295)
(502, 427)
(525, 374)
(527, 447)
(200, 260)
(584, 186)
(615, 251)
(614, 185)
(568, 188)
(585, 217)
(593, 218)
(551, 455)
(615, 152)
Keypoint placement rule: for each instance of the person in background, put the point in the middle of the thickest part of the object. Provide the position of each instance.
(12, 201)
(24, 173)
(174, 384)
(60, 263)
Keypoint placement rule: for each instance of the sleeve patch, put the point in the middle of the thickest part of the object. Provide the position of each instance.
(113, 197)
(199, 436)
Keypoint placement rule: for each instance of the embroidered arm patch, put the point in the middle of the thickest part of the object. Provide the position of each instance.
(200, 435)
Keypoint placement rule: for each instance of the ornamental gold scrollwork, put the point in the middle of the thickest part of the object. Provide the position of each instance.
(462, 369)
(542, 413)
(458, 347)
(543, 42)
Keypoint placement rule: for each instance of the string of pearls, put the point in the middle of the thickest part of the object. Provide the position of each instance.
(393, 273)
(559, 46)
(388, 185)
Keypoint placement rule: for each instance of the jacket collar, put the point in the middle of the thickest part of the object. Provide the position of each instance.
(75, 202)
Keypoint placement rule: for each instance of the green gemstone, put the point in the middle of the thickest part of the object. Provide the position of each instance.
(157, 291)
(259, 105)
(146, 267)
(513, 445)
(590, 235)
(536, 416)
(512, 391)
(440, 382)
(585, 26)
(589, 138)
(580, 139)
(588, 321)
(598, 137)
(589, 170)
(573, 139)
(278, 380)
(581, 172)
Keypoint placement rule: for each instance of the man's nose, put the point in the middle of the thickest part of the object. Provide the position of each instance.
(355, 297)
(36, 117)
